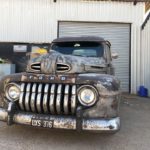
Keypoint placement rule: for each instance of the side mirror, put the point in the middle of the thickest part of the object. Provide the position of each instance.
(114, 55)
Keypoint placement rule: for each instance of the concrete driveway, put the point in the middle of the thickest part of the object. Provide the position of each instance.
(134, 133)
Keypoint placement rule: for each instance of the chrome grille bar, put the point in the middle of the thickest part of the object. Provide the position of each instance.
(52, 99)
(39, 98)
(58, 99)
(33, 97)
(73, 99)
(21, 99)
(66, 99)
(43, 98)
(27, 97)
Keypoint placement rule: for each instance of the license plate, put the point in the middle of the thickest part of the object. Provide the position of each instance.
(42, 123)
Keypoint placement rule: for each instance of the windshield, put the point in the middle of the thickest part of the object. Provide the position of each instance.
(84, 49)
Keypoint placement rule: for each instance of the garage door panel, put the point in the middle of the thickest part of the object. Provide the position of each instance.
(117, 34)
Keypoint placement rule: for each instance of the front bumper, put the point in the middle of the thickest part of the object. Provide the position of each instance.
(63, 122)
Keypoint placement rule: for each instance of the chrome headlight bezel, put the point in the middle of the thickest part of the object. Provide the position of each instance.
(93, 90)
(7, 92)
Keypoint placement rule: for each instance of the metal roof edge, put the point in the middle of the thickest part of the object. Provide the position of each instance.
(134, 1)
(146, 20)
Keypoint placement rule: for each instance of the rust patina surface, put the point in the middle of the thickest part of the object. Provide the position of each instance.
(51, 86)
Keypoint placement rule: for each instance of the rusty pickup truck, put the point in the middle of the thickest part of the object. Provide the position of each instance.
(71, 87)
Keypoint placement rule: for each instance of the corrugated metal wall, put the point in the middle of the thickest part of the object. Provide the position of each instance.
(145, 53)
(36, 21)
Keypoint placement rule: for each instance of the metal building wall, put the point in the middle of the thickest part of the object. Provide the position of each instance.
(145, 53)
(36, 21)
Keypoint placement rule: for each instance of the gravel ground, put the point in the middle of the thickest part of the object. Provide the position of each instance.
(134, 133)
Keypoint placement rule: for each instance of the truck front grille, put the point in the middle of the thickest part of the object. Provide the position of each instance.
(43, 98)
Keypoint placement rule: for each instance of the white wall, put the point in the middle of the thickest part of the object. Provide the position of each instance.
(36, 21)
(145, 53)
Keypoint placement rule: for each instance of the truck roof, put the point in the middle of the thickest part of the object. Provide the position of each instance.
(80, 39)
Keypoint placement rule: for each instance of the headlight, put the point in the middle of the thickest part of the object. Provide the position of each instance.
(87, 95)
(12, 91)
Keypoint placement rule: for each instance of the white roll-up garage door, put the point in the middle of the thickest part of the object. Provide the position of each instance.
(119, 36)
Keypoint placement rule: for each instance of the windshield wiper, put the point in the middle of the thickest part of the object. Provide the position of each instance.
(97, 67)
(77, 55)
(84, 56)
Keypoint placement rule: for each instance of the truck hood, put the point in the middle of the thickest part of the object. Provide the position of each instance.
(55, 62)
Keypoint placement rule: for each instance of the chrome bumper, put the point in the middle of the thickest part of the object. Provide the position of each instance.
(63, 122)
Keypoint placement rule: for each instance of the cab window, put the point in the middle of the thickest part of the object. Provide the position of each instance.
(83, 49)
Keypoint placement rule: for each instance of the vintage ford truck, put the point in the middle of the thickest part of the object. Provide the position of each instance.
(71, 87)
